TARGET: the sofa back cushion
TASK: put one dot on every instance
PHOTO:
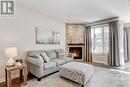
(45, 57)
(34, 54)
(51, 54)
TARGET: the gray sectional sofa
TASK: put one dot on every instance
(39, 66)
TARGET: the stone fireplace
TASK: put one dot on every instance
(75, 41)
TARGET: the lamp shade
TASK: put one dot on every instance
(11, 52)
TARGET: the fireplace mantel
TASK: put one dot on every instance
(76, 44)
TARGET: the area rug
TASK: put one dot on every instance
(102, 77)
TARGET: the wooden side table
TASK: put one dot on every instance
(23, 71)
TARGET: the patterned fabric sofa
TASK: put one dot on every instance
(43, 62)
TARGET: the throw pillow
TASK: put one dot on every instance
(45, 57)
(40, 57)
(51, 54)
(61, 54)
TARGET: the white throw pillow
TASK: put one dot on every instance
(45, 57)
(61, 54)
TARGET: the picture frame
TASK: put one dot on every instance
(47, 36)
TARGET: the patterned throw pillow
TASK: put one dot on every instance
(45, 57)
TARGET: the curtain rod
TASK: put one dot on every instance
(75, 24)
(103, 21)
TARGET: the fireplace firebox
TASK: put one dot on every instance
(76, 52)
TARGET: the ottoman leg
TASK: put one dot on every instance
(82, 85)
(38, 79)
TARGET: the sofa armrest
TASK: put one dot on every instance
(35, 61)
(35, 66)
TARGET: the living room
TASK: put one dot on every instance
(91, 36)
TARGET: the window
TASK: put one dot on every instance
(100, 39)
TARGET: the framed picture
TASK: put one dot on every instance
(47, 37)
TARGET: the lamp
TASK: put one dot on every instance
(11, 52)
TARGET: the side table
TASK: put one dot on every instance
(23, 74)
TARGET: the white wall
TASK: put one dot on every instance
(20, 32)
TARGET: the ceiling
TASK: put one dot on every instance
(80, 11)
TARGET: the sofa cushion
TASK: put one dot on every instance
(49, 65)
(45, 57)
(51, 54)
(58, 61)
(68, 59)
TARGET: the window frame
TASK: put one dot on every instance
(102, 38)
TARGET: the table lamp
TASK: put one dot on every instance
(10, 52)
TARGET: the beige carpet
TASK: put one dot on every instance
(102, 77)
